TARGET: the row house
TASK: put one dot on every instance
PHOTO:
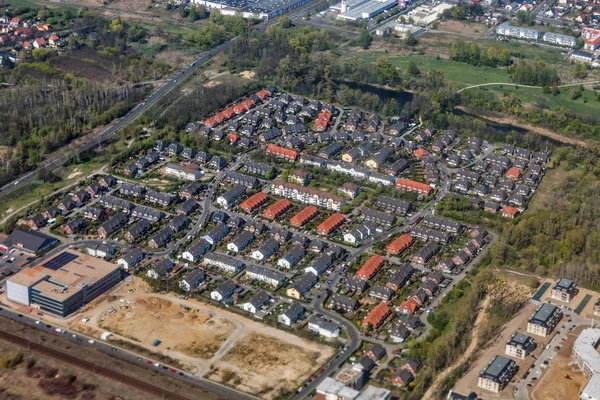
(266, 275)
(393, 205)
(147, 213)
(308, 195)
(258, 168)
(137, 231)
(223, 262)
(161, 239)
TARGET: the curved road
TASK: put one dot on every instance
(523, 86)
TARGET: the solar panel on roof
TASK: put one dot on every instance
(60, 260)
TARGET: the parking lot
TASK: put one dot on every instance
(11, 261)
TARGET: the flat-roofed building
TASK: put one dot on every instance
(497, 374)
(544, 320)
(564, 290)
(519, 346)
(64, 283)
(585, 351)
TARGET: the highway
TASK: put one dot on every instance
(142, 107)
(130, 116)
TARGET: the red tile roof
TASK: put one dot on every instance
(233, 137)
(330, 224)
(377, 315)
(370, 267)
(420, 153)
(254, 202)
(262, 94)
(411, 186)
(410, 305)
(513, 173)
(277, 209)
(282, 152)
(399, 244)
(304, 216)
(510, 211)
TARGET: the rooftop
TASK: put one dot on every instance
(66, 274)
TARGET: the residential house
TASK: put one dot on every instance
(302, 285)
(161, 238)
(196, 250)
(223, 262)
(267, 249)
(130, 259)
(160, 269)
(191, 280)
(291, 315)
(224, 291)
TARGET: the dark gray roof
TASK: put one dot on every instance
(32, 241)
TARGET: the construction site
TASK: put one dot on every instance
(208, 341)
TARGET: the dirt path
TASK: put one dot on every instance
(468, 353)
(539, 130)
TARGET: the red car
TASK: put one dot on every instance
(148, 362)
(172, 370)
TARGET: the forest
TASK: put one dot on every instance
(51, 99)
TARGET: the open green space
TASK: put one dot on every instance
(531, 51)
(459, 73)
(587, 104)
(71, 174)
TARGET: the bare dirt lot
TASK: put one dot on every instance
(471, 29)
(194, 333)
(221, 345)
(267, 366)
(561, 381)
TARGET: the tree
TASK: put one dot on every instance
(285, 22)
(505, 57)
(411, 40)
(524, 18)
(580, 71)
(412, 69)
(365, 39)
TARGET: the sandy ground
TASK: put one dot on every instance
(554, 384)
(498, 118)
(74, 174)
(248, 74)
(468, 382)
(145, 319)
(472, 29)
(265, 360)
(267, 365)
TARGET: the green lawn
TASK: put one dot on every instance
(531, 51)
(586, 104)
(461, 74)
(71, 174)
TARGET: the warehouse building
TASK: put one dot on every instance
(64, 283)
(366, 10)
(260, 9)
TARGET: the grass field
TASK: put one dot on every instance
(460, 73)
(586, 104)
(443, 41)
(70, 174)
